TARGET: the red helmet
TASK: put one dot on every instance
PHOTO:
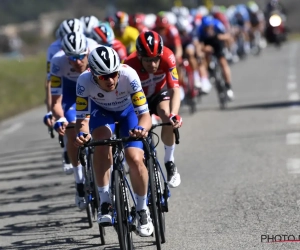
(161, 21)
(110, 20)
(136, 19)
(149, 44)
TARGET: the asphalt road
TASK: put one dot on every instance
(239, 168)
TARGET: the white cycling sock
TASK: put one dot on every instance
(104, 194)
(141, 202)
(169, 153)
(79, 178)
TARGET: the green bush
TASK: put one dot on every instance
(22, 84)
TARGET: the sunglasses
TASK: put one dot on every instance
(106, 77)
(151, 59)
(77, 57)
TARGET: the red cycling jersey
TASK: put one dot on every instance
(120, 49)
(170, 36)
(223, 19)
(164, 78)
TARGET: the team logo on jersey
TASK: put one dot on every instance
(138, 99)
(55, 81)
(174, 73)
(81, 103)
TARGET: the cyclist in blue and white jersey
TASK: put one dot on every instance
(66, 66)
(67, 26)
(107, 93)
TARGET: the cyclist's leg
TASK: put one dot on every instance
(102, 126)
(138, 172)
(70, 114)
(218, 51)
(161, 106)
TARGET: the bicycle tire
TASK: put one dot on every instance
(89, 205)
(89, 214)
(153, 207)
(124, 235)
(160, 212)
(96, 199)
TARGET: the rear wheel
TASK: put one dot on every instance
(95, 197)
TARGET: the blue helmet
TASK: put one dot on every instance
(103, 34)
(208, 21)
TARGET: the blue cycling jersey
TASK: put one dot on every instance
(219, 28)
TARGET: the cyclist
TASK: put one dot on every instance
(156, 67)
(212, 34)
(107, 93)
(67, 26)
(88, 24)
(66, 66)
(189, 45)
(137, 21)
(125, 33)
(103, 34)
(169, 34)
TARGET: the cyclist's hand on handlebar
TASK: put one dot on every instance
(82, 138)
(176, 120)
(60, 125)
(139, 132)
(48, 119)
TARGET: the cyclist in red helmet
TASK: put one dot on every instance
(156, 67)
(137, 21)
(170, 35)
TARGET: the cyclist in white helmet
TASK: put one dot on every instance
(67, 26)
(112, 92)
(88, 24)
(66, 66)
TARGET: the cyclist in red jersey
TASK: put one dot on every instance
(170, 36)
(137, 21)
(104, 35)
(156, 67)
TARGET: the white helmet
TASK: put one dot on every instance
(103, 60)
(89, 23)
(70, 25)
(183, 24)
(74, 43)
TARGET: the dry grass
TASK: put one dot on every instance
(21, 84)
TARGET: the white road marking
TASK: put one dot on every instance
(294, 119)
(294, 96)
(293, 139)
(14, 127)
(293, 165)
(292, 86)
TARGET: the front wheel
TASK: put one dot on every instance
(153, 205)
(124, 234)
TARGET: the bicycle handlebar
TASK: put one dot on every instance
(50, 132)
(175, 130)
(111, 142)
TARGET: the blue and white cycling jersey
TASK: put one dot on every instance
(219, 28)
(63, 79)
(123, 105)
(56, 47)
